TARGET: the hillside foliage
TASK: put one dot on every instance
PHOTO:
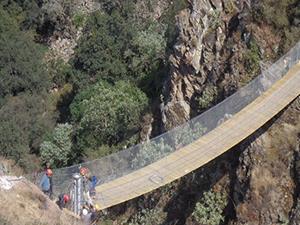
(62, 112)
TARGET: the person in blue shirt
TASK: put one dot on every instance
(93, 184)
(46, 182)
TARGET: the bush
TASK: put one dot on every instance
(79, 19)
(273, 12)
(116, 46)
(148, 217)
(207, 98)
(57, 149)
(209, 209)
(21, 66)
(251, 62)
(169, 19)
(24, 120)
(107, 114)
(26, 13)
(99, 52)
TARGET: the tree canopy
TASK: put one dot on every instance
(21, 66)
(107, 114)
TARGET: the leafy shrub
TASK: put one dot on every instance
(21, 66)
(24, 120)
(273, 12)
(149, 42)
(150, 46)
(26, 13)
(58, 148)
(60, 72)
(207, 98)
(229, 7)
(215, 19)
(209, 209)
(99, 52)
(148, 217)
(116, 47)
(79, 19)
(251, 62)
(169, 19)
(107, 114)
(291, 38)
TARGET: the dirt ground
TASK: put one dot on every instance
(25, 204)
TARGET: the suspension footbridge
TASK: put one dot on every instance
(207, 147)
(145, 167)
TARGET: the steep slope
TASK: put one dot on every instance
(23, 203)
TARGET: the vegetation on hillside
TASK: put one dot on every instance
(66, 112)
(61, 112)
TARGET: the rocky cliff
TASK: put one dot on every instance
(216, 42)
(221, 46)
(266, 189)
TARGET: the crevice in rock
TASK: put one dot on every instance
(295, 173)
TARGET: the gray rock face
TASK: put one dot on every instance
(196, 60)
(187, 75)
(295, 215)
(65, 38)
(266, 186)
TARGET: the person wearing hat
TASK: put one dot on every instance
(63, 200)
(46, 182)
(86, 214)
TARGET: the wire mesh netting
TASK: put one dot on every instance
(126, 161)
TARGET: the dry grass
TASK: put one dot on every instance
(25, 204)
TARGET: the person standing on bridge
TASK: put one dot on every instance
(92, 186)
(87, 185)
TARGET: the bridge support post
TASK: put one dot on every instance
(77, 201)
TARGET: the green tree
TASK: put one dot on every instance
(107, 114)
(57, 150)
(149, 47)
(99, 53)
(24, 120)
(21, 66)
(208, 97)
(148, 217)
(116, 46)
(26, 12)
(209, 209)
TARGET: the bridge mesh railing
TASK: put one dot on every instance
(126, 161)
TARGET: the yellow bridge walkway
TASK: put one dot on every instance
(206, 148)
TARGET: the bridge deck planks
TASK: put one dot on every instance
(206, 148)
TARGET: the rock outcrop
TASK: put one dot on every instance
(211, 51)
(64, 39)
(186, 73)
(198, 58)
(266, 189)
